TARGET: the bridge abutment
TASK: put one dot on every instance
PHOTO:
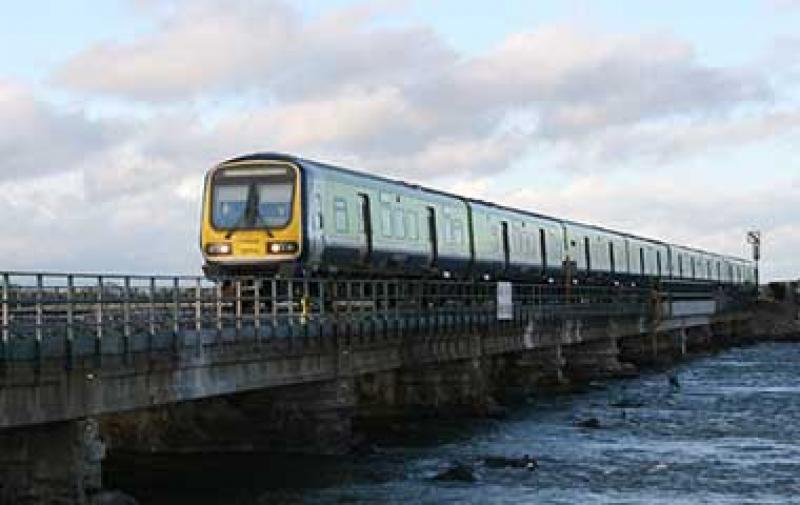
(56, 463)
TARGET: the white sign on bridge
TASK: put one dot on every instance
(505, 302)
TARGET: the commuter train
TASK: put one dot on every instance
(274, 213)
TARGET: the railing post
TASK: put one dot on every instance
(257, 309)
(290, 299)
(69, 344)
(274, 303)
(238, 307)
(290, 314)
(39, 317)
(176, 314)
(6, 321)
(305, 303)
(218, 303)
(321, 285)
(198, 309)
(98, 338)
(151, 315)
(126, 318)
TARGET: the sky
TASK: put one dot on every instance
(674, 120)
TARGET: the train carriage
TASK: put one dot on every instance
(273, 213)
(510, 243)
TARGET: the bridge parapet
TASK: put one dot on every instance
(71, 317)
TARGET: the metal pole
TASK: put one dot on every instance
(126, 317)
(257, 308)
(151, 316)
(321, 285)
(176, 313)
(39, 316)
(98, 340)
(290, 299)
(198, 311)
(6, 319)
(238, 307)
(218, 302)
(69, 344)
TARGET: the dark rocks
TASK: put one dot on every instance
(457, 473)
(497, 412)
(627, 403)
(589, 423)
(526, 462)
(112, 498)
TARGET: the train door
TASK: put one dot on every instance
(642, 264)
(658, 264)
(543, 248)
(612, 264)
(365, 227)
(506, 245)
(434, 256)
(587, 251)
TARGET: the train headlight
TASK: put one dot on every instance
(281, 247)
(219, 249)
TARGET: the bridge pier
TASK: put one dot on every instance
(56, 463)
(312, 418)
(595, 359)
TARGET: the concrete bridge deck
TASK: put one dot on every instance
(80, 345)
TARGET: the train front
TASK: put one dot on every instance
(251, 217)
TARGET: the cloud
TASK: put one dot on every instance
(39, 139)
(121, 190)
(51, 225)
(783, 4)
(203, 46)
(667, 141)
(400, 98)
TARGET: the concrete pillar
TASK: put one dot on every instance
(313, 418)
(595, 359)
(58, 463)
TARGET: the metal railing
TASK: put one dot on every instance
(47, 316)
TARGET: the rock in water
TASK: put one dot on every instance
(113, 498)
(627, 403)
(525, 462)
(457, 473)
(590, 422)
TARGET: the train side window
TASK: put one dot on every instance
(412, 227)
(318, 204)
(399, 224)
(386, 220)
(340, 214)
(458, 232)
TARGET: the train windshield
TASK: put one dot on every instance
(251, 198)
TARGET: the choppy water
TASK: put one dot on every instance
(729, 435)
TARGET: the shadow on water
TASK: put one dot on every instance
(723, 430)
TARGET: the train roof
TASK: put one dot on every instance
(267, 155)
